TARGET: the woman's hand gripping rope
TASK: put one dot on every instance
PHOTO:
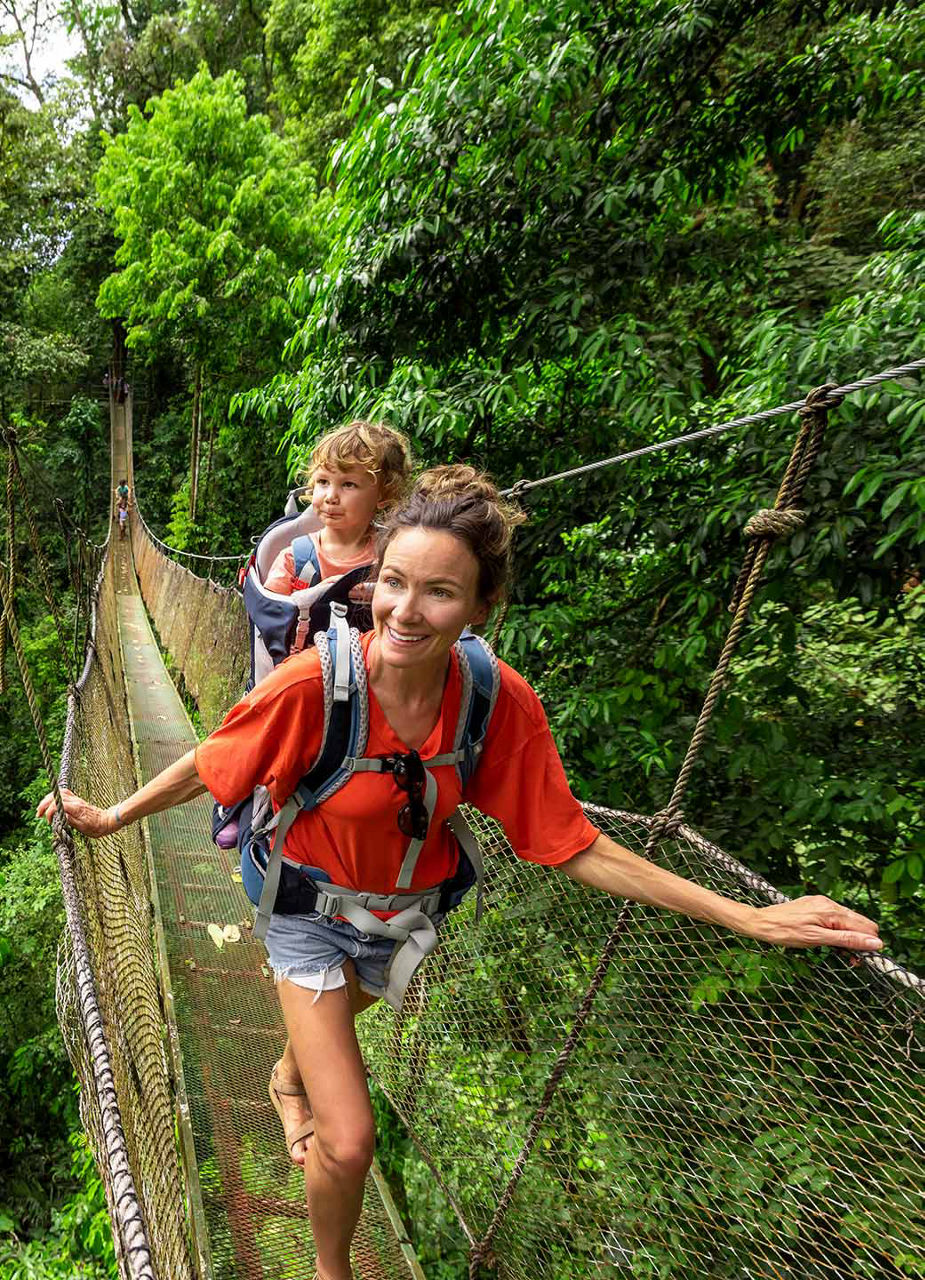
(174, 785)
(83, 817)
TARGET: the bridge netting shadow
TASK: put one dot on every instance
(727, 1110)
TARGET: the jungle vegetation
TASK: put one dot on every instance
(530, 235)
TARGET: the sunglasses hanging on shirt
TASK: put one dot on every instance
(408, 772)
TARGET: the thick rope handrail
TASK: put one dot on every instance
(875, 961)
(836, 394)
(190, 555)
(125, 1201)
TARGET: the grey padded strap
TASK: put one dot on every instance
(342, 662)
(406, 958)
(411, 929)
(468, 840)
(410, 862)
(331, 899)
(281, 821)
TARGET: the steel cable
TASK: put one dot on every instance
(836, 395)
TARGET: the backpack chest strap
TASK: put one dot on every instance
(375, 764)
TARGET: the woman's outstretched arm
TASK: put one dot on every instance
(174, 785)
(806, 922)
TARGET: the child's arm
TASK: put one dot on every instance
(281, 577)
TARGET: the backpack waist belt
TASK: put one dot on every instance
(413, 928)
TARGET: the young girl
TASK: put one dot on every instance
(354, 472)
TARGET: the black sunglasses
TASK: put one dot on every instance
(408, 772)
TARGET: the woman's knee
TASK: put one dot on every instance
(345, 1150)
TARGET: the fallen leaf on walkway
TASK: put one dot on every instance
(215, 933)
(231, 933)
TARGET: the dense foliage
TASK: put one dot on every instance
(531, 235)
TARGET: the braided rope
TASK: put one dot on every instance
(813, 420)
(835, 396)
(126, 1206)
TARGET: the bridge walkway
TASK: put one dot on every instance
(246, 1197)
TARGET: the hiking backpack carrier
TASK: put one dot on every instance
(276, 883)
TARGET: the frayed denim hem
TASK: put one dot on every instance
(329, 978)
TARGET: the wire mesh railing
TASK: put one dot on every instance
(137, 1155)
(730, 1111)
(202, 626)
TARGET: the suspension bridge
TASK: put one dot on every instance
(591, 1089)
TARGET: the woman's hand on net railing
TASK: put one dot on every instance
(85, 818)
(814, 921)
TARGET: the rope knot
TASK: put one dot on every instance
(519, 487)
(666, 824)
(481, 1255)
(774, 523)
(821, 398)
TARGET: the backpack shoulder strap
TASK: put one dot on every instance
(346, 709)
(305, 553)
(481, 680)
(344, 736)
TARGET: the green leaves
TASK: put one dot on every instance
(213, 213)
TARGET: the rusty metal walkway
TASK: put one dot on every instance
(246, 1197)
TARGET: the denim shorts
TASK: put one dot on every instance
(310, 950)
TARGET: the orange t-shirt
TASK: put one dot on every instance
(273, 737)
(283, 581)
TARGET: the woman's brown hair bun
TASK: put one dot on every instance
(459, 500)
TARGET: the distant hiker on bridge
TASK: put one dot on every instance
(123, 494)
(380, 849)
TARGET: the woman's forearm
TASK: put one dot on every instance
(806, 922)
(174, 785)
(607, 865)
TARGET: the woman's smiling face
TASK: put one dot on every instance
(426, 593)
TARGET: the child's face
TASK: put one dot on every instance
(345, 501)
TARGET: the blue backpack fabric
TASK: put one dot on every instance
(278, 623)
(275, 622)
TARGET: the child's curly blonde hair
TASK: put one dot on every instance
(378, 449)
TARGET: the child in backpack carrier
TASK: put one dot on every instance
(354, 472)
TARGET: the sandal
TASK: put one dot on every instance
(278, 1090)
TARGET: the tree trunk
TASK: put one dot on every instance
(194, 444)
(210, 447)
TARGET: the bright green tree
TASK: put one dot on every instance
(214, 216)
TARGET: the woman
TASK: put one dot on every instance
(443, 563)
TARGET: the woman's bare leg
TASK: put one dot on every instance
(323, 1043)
(298, 1108)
